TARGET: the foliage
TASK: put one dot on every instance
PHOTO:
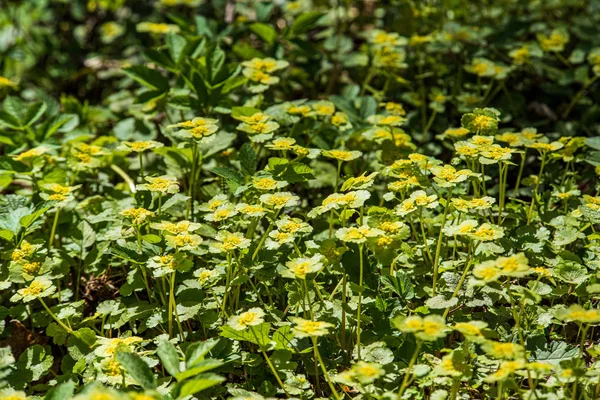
(216, 199)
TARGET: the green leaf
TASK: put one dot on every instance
(28, 220)
(554, 352)
(15, 107)
(258, 335)
(62, 123)
(148, 77)
(233, 178)
(400, 284)
(34, 112)
(198, 368)
(9, 120)
(202, 382)
(440, 302)
(304, 22)
(264, 31)
(9, 164)
(245, 111)
(34, 363)
(176, 45)
(571, 272)
(138, 369)
(61, 392)
(214, 61)
(248, 159)
(168, 357)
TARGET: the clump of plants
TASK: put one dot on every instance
(257, 200)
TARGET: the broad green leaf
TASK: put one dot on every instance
(148, 77)
(198, 368)
(258, 335)
(61, 392)
(264, 31)
(304, 22)
(169, 357)
(138, 369)
(176, 45)
(33, 113)
(248, 159)
(202, 382)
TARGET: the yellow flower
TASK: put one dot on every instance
(342, 155)
(268, 65)
(361, 372)
(25, 250)
(516, 265)
(5, 82)
(520, 56)
(184, 241)
(555, 42)
(252, 210)
(229, 241)
(577, 313)
(546, 147)
(177, 227)
(252, 317)
(432, 327)
(222, 213)
(140, 146)
(29, 154)
(162, 184)
(323, 108)
(488, 232)
(505, 351)
(31, 268)
(305, 328)
(357, 234)
(160, 29)
(39, 287)
(267, 183)
(282, 144)
(472, 330)
(487, 271)
(454, 133)
(137, 215)
(447, 175)
(280, 200)
(505, 370)
(395, 109)
(303, 110)
(302, 266)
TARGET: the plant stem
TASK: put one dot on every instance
(438, 247)
(141, 158)
(58, 321)
(53, 230)
(360, 290)
(537, 185)
(409, 369)
(271, 366)
(318, 354)
(520, 175)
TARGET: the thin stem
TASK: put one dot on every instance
(318, 354)
(537, 185)
(360, 290)
(409, 369)
(438, 247)
(53, 230)
(141, 158)
(521, 167)
(58, 321)
(271, 366)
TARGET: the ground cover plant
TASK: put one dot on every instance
(299, 199)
